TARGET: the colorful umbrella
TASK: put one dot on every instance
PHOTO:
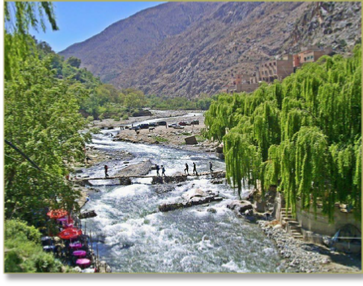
(80, 253)
(70, 233)
(83, 262)
(57, 213)
(75, 245)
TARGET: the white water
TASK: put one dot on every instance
(134, 237)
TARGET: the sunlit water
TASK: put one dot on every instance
(133, 236)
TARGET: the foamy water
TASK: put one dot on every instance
(133, 236)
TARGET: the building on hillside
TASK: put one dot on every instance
(276, 69)
(312, 54)
(242, 83)
(249, 84)
(234, 81)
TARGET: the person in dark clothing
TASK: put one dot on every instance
(162, 170)
(157, 170)
(106, 171)
(186, 170)
(195, 169)
(210, 166)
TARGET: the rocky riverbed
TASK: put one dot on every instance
(162, 135)
(297, 255)
(303, 257)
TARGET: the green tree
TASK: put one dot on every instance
(302, 134)
(19, 17)
(74, 62)
(42, 120)
(134, 98)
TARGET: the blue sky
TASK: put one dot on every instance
(78, 21)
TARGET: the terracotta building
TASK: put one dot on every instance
(276, 69)
(310, 55)
(242, 83)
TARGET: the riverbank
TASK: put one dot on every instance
(298, 256)
(303, 257)
(163, 135)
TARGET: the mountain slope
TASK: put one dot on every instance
(202, 50)
(126, 41)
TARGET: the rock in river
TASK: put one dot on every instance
(240, 206)
(191, 198)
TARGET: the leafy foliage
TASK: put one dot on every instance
(19, 16)
(23, 251)
(302, 134)
(42, 119)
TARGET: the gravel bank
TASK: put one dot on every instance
(304, 257)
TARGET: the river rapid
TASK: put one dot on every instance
(134, 237)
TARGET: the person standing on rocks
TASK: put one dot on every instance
(157, 170)
(186, 170)
(210, 167)
(106, 171)
(162, 170)
(195, 169)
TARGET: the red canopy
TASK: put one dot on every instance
(57, 213)
(70, 233)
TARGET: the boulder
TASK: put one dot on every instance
(240, 206)
(259, 206)
(219, 175)
(191, 198)
(194, 193)
(219, 149)
(139, 169)
(191, 140)
(88, 214)
(125, 181)
(157, 180)
(168, 179)
(216, 181)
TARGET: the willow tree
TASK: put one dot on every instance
(19, 17)
(302, 134)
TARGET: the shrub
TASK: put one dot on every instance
(23, 251)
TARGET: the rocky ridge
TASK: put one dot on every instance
(185, 49)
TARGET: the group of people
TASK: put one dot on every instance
(157, 167)
(186, 170)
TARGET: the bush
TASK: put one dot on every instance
(90, 119)
(95, 130)
(116, 118)
(125, 117)
(23, 251)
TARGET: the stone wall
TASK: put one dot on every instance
(320, 223)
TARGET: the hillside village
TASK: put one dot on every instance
(276, 69)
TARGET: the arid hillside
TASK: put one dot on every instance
(185, 49)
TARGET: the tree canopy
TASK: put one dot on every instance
(302, 134)
(42, 121)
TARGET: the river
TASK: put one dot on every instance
(133, 236)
